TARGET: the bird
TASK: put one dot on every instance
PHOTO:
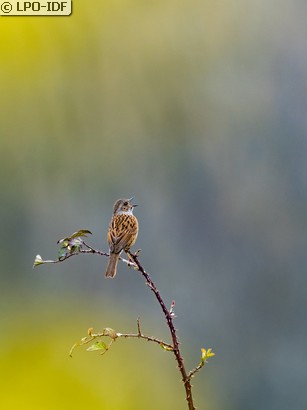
(122, 233)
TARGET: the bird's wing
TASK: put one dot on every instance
(122, 232)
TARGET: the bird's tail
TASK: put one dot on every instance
(112, 265)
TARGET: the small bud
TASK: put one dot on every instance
(38, 261)
(90, 331)
(108, 331)
(167, 348)
(205, 354)
(171, 311)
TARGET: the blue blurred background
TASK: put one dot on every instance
(199, 110)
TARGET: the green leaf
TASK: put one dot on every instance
(75, 245)
(81, 232)
(97, 346)
(210, 353)
(78, 234)
(72, 244)
(63, 252)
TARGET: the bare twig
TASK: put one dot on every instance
(192, 372)
(169, 320)
(140, 335)
(92, 250)
(139, 326)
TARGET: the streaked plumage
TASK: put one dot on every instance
(122, 234)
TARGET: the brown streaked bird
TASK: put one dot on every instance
(122, 234)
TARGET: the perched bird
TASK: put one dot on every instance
(122, 234)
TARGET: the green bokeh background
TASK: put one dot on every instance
(199, 110)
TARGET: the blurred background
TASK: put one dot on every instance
(198, 109)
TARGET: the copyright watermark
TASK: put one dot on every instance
(35, 8)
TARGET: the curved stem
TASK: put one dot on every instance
(169, 319)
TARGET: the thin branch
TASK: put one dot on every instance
(39, 261)
(169, 320)
(90, 250)
(140, 335)
(139, 326)
(192, 372)
(115, 335)
(166, 346)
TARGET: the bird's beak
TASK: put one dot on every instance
(129, 200)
